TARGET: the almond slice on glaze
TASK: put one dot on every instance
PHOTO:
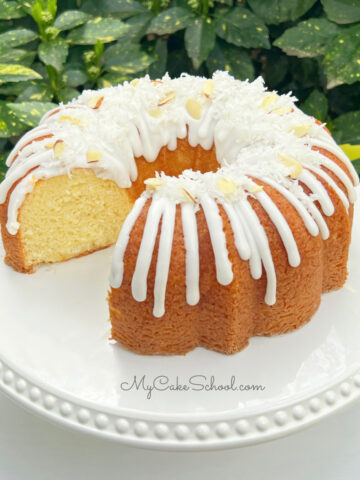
(93, 156)
(59, 146)
(68, 118)
(134, 82)
(95, 102)
(300, 130)
(226, 186)
(269, 100)
(208, 88)
(155, 112)
(291, 162)
(281, 110)
(168, 97)
(194, 108)
(255, 188)
(188, 195)
(153, 183)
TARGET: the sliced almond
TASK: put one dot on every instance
(134, 82)
(300, 130)
(297, 168)
(156, 82)
(68, 118)
(168, 97)
(93, 156)
(59, 146)
(194, 108)
(208, 88)
(188, 195)
(155, 112)
(153, 183)
(281, 110)
(269, 100)
(95, 102)
(50, 145)
(226, 186)
(255, 188)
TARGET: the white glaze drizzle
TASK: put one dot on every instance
(139, 280)
(117, 270)
(191, 242)
(224, 272)
(164, 257)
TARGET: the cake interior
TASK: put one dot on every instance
(69, 216)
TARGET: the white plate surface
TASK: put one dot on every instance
(56, 360)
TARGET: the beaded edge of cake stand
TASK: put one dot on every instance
(152, 431)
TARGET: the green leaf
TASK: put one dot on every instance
(309, 38)
(278, 11)
(122, 8)
(200, 40)
(23, 57)
(13, 89)
(14, 38)
(110, 79)
(10, 9)
(126, 60)
(39, 92)
(241, 27)
(26, 5)
(316, 105)
(74, 77)
(52, 7)
(104, 29)
(16, 73)
(68, 94)
(159, 53)
(10, 125)
(3, 167)
(98, 49)
(30, 113)
(171, 20)
(342, 61)
(71, 19)
(234, 60)
(138, 26)
(342, 11)
(54, 52)
(346, 128)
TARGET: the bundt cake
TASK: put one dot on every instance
(244, 221)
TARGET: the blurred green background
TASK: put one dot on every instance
(51, 50)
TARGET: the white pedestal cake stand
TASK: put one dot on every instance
(56, 361)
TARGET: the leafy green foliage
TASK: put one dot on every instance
(16, 73)
(342, 61)
(316, 105)
(278, 11)
(242, 28)
(309, 38)
(54, 52)
(170, 21)
(200, 40)
(50, 51)
(342, 11)
(104, 29)
(346, 128)
(30, 113)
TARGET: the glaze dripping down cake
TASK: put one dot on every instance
(234, 207)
